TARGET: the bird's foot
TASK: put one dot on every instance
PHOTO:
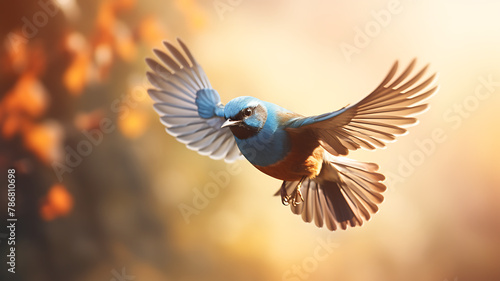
(285, 198)
(295, 198)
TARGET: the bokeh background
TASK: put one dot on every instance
(103, 193)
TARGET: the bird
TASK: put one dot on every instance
(307, 153)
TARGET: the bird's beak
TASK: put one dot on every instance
(230, 123)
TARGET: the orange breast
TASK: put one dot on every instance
(304, 159)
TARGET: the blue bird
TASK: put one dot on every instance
(306, 153)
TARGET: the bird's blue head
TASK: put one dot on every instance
(245, 116)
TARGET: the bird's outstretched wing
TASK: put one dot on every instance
(377, 118)
(188, 106)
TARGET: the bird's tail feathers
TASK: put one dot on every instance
(346, 192)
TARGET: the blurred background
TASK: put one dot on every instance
(103, 193)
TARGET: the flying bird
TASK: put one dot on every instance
(305, 152)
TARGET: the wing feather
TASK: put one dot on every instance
(177, 80)
(378, 118)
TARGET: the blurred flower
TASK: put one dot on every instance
(133, 124)
(58, 202)
(70, 8)
(17, 56)
(88, 121)
(124, 42)
(28, 99)
(76, 75)
(151, 31)
(28, 96)
(45, 141)
(111, 38)
(105, 16)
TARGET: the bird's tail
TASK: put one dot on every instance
(346, 192)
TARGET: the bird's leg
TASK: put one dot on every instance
(285, 199)
(296, 195)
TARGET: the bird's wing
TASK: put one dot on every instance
(188, 106)
(377, 118)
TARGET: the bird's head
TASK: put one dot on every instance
(245, 116)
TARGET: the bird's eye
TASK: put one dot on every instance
(247, 112)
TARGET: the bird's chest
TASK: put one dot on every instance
(285, 155)
(265, 148)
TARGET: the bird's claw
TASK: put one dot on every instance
(295, 198)
(285, 199)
